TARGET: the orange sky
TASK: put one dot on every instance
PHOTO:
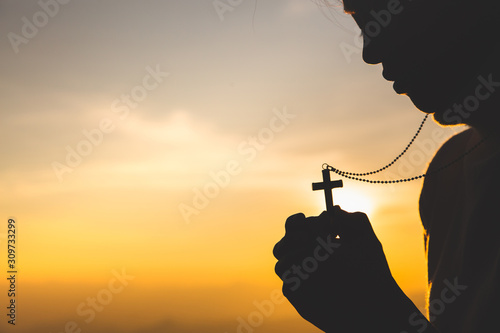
(117, 115)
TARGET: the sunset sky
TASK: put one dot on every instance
(166, 142)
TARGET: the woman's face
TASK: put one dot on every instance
(433, 50)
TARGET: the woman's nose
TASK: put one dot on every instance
(372, 50)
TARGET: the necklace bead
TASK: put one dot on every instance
(356, 176)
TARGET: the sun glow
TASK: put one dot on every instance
(353, 200)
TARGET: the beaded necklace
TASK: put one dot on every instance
(356, 176)
(327, 185)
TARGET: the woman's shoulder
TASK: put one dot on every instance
(439, 184)
(452, 149)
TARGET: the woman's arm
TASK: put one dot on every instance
(343, 284)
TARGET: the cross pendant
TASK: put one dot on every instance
(327, 185)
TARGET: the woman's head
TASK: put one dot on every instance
(435, 51)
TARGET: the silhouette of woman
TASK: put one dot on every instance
(444, 55)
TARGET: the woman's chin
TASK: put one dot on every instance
(436, 106)
(445, 120)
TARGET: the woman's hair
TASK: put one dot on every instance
(330, 9)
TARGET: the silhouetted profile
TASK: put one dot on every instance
(445, 55)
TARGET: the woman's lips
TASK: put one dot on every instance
(401, 79)
(399, 87)
(406, 77)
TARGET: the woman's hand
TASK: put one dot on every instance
(339, 285)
